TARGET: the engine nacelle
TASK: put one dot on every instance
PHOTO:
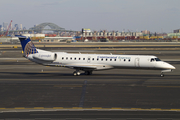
(45, 56)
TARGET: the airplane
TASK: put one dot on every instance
(91, 62)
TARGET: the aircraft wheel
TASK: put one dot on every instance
(162, 75)
(76, 73)
(88, 72)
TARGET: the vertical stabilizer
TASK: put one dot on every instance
(27, 45)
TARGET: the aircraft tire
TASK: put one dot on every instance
(88, 72)
(162, 75)
(76, 73)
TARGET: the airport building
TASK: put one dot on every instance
(177, 31)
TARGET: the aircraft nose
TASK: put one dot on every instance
(170, 66)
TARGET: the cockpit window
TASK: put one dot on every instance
(152, 59)
(157, 59)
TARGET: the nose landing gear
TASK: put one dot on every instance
(162, 75)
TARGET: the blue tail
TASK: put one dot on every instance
(27, 45)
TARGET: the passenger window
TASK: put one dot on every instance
(110, 59)
(83, 58)
(102, 59)
(114, 59)
(97, 59)
(71, 58)
(66, 58)
(129, 60)
(79, 58)
(89, 59)
(124, 60)
(106, 59)
(74, 58)
(93, 59)
(62, 58)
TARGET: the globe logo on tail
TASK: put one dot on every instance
(30, 49)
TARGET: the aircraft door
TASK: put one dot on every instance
(137, 62)
(89, 59)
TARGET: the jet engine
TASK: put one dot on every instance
(45, 56)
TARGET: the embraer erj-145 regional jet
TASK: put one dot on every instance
(91, 62)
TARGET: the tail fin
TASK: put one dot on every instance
(27, 45)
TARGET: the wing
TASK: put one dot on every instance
(75, 66)
(84, 67)
(81, 67)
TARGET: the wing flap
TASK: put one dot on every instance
(81, 66)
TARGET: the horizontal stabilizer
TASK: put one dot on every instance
(21, 37)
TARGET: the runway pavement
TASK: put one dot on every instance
(28, 86)
(111, 94)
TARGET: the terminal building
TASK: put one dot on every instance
(177, 31)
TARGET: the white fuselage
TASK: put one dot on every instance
(91, 62)
(100, 61)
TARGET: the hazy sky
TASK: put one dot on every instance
(135, 15)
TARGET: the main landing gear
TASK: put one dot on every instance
(77, 73)
(88, 72)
